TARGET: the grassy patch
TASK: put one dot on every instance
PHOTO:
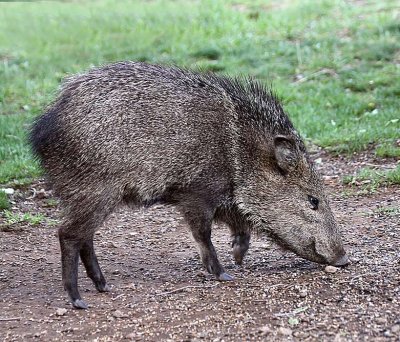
(4, 203)
(333, 62)
(370, 179)
(50, 202)
(388, 150)
(12, 219)
(387, 211)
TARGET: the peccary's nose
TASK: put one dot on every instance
(342, 261)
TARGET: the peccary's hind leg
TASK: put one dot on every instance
(70, 247)
(200, 223)
(92, 267)
(76, 238)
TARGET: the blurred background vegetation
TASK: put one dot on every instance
(335, 64)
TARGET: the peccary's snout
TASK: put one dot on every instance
(342, 261)
(331, 251)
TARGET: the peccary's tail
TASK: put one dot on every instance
(44, 133)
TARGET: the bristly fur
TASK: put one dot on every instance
(255, 101)
(216, 147)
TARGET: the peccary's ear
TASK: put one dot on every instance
(286, 153)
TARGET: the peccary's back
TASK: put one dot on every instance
(134, 124)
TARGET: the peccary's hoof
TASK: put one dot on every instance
(238, 256)
(79, 304)
(239, 262)
(240, 245)
(225, 277)
(103, 288)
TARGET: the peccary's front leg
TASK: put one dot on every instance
(240, 231)
(200, 225)
(240, 246)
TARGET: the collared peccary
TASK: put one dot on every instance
(217, 148)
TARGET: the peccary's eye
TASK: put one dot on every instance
(314, 202)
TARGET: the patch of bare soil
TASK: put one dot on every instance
(160, 291)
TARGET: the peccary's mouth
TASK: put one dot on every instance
(280, 242)
(318, 257)
(310, 250)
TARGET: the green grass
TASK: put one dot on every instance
(387, 211)
(13, 218)
(370, 179)
(4, 203)
(10, 218)
(334, 63)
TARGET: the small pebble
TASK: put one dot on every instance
(61, 311)
(387, 333)
(381, 320)
(265, 330)
(303, 293)
(338, 338)
(330, 269)
(41, 194)
(285, 331)
(119, 314)
(8, 191)
(130, 336)
(395, 329)
(111, 244)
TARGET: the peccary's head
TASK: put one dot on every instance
(279, 189)
(285, 197)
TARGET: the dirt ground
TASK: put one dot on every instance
(160, 291)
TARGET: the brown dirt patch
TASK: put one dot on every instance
(160, 292)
